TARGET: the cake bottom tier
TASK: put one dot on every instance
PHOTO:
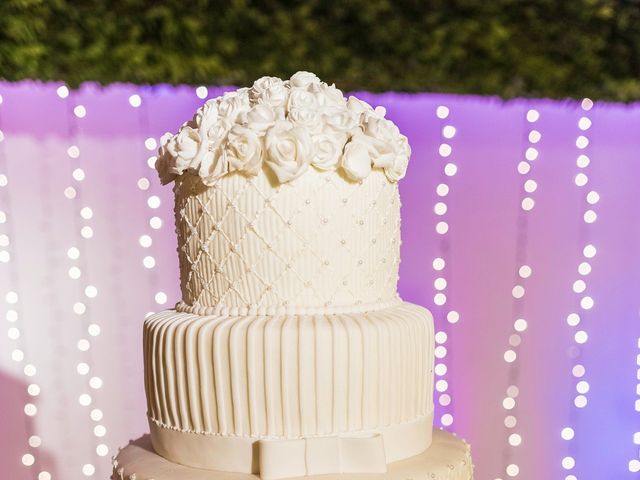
(448, 458)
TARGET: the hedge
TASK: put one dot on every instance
(551, 48)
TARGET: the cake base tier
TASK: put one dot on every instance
(448, 458)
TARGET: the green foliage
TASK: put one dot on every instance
(552, 48)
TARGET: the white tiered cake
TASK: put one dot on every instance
(291, 353)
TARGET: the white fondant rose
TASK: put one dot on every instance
(164, 162)
(305, 117)
(244, 150)
(382, 129)
(330, 97)
(356, 158)
(275, 96)
(327, 150)
(362, 110)
(206, 116)
(185, 149)
(259, 119)
(289, 150)
(262, 85)
(340, 119)
(397, 169)
(214, 163)
(233, 104)
(289, 125)
(303, 79)
(300, 98)
(384, 137)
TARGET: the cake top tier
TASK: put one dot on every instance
(286, 126)
(286, 201)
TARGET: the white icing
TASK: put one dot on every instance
(286, 126)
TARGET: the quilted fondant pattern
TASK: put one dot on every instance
(318, 241)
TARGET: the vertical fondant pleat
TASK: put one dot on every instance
(194, 375)
(239, 387)
(290, 387)
(273, 375)
(224, 401)
(182, 400)
(355, 366)
(340, 373)
(255, 376)
(164, 387)
(307, 376)
(324, 367)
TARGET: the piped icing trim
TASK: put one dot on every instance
(284, 126)
(255, 310)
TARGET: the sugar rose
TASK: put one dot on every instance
(275, 96)
(340, 120)
(303, 79)
(261, 85)
(259, 119)
(286, 125)
(243, 150)
(165, 161)
(185, 149)
(397, 168)
(232, 104)
(329, 96)
(356, 158)
(327, 151)
(289, 150)
(206, 116)
(305, 117)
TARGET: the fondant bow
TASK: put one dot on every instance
(320, 455)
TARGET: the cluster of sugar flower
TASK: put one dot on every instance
(286, 126)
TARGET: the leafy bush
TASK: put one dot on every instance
(505, 47)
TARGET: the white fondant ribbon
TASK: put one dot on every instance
(321, 455)
(274, 458)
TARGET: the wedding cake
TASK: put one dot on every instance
(290, 353)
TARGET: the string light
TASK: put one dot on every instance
(523, 273)
(202, 92)
(634, 464)
(87, 291)
(579, 286)
(441, 284)
(13, 316)
(153, 202)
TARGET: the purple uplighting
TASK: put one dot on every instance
(520, 229)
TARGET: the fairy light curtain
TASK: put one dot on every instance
(521, 232)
